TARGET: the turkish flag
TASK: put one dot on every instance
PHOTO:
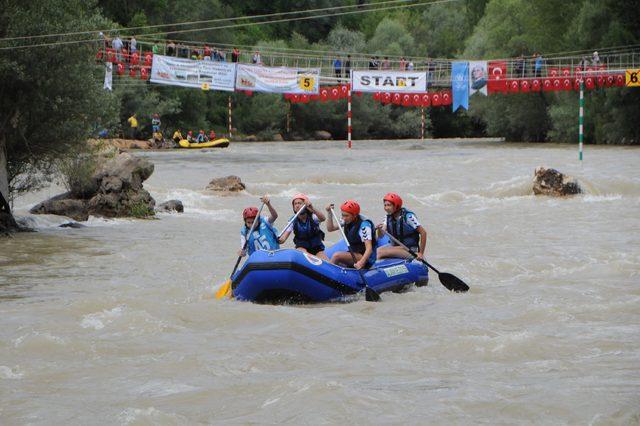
(553, 72)
(566, 72)
(536, 85)
(514, 86)
(396, 98)
(446, 98)
(324, 95)
(426, 100)
(497, 74)
(376, 96)
(566, 84)
(144, 73)
(436, 99)
(334, 93)
(406, 100)
(295, 99)
(557, 84)
(601, 80)
(314, 97)
(416, 100)
(610, 80)
(547, 85)
(620, 82)
(590, 83)
(344, 90)
(304, 99)
(525, 86)
(386, 98)
(120, 69)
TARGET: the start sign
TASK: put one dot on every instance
(632, 78)
(389, 81)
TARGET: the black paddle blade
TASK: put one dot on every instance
(371, 295)
(452, 282)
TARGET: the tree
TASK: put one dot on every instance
(391, 38)
(52, 97)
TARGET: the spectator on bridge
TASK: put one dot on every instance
(538, 65)
(133, 45)
(386, 65)
(595, 59)
(207, 52)
(347, 67)
(372, 63)
(256, 58)
(410, 66)
(171, 48)
(235, 56)
(403, 64)
(117, 46)
(337, 68)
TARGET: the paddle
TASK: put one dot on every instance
(370, 294)
(450, 281)
(291, 221)
(225, 289)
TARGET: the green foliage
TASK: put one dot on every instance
(141, 210)
(51, 99)
(391, 38)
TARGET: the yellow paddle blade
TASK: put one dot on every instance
(224, 289)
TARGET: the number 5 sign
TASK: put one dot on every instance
(306, 83)
(632, 78)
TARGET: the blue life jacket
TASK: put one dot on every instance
(401, 230)
(307, 234)
(352, 231)
(264, 237)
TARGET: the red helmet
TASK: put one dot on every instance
(249, 212)
(300, 196)
(350, 206)
(394, 199)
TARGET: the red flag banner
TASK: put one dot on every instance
(536, 85)
(436, 99)
(497, 75)
(426, 100)
(446, 98)
(525, 86)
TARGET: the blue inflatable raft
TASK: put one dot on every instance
(292, 276)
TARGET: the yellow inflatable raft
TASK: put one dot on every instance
(217, 143)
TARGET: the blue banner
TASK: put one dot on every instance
(460, 84)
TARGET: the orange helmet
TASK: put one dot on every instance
(300, 196)
(394, 199)
(249, 212)
(350, 206)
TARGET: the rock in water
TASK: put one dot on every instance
(226, 184)
(117, 192)
(553, 183)
(171, 206)
(321, 135)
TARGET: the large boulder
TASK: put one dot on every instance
(170, 206)
(115, 191)
(226, 184)
(321, 135)
(553, 183)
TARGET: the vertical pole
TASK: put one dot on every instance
(422, 127)
(230, 117)
(349, 116)
(581, 120)
(288, 117)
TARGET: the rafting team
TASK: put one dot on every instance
(359, 231)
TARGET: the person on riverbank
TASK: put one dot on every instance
(133, 126)
(359, 231)
(307, 235)
(403, 225)
(265, 235)
(177, 136)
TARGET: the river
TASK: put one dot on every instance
(116, 323)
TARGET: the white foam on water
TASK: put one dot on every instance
(98, 320)
(10, 373)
